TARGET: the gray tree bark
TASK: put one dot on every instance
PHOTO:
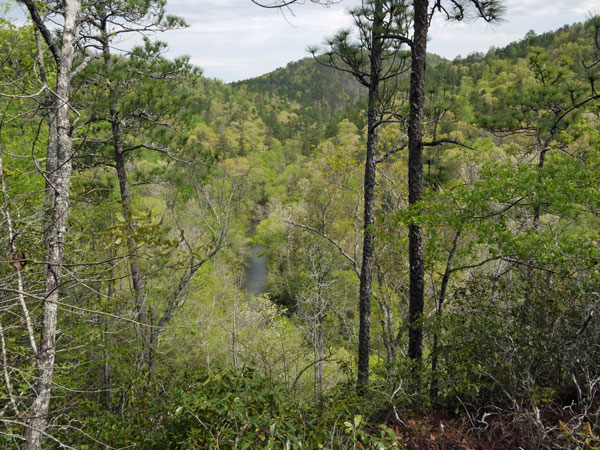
(59, 158)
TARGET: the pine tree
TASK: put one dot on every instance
(376, 60)
(489, 10)
(143, 104)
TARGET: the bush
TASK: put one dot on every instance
(243, 410)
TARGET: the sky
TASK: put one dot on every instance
(233, 40)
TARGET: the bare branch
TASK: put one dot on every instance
(324, 236)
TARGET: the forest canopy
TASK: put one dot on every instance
(371, 248)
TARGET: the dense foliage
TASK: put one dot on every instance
(177, 177)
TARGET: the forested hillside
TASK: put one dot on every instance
(138, 196)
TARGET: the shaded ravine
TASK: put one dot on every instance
(256, 270)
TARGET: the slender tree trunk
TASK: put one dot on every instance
(134, 260)
(318, 358)
(415, 177)
(51, 169)
(124, 189)
(106, 396)
(38, 412)
(50, 107)
(387, 320)
(234, 334)
(439, 310)
(13, 249)
(141, 313)
(541, 161)
(366, 274)
(106, 372)
(9, 389)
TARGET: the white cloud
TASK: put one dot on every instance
(452, 39)
(235, 39)
(555, 8)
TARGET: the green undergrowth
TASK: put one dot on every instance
(229, 409)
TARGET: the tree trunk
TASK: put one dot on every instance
(141, 313)
(319, 354)
(387, 319)
(124, 189)
(415, 177)
(50, 108)
(439, 310)
(106, 397)
(234, 335)
(38, 413)
(13, 249)
(366, 274)
(541, 161)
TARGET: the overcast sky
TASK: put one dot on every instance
(235, 39)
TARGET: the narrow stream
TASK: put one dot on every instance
(256, 271)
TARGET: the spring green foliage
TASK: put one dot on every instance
(277, 161)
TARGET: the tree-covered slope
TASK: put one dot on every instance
(177, 177)
(309, 84)
(312, 85)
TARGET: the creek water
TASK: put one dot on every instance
(256, 270)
